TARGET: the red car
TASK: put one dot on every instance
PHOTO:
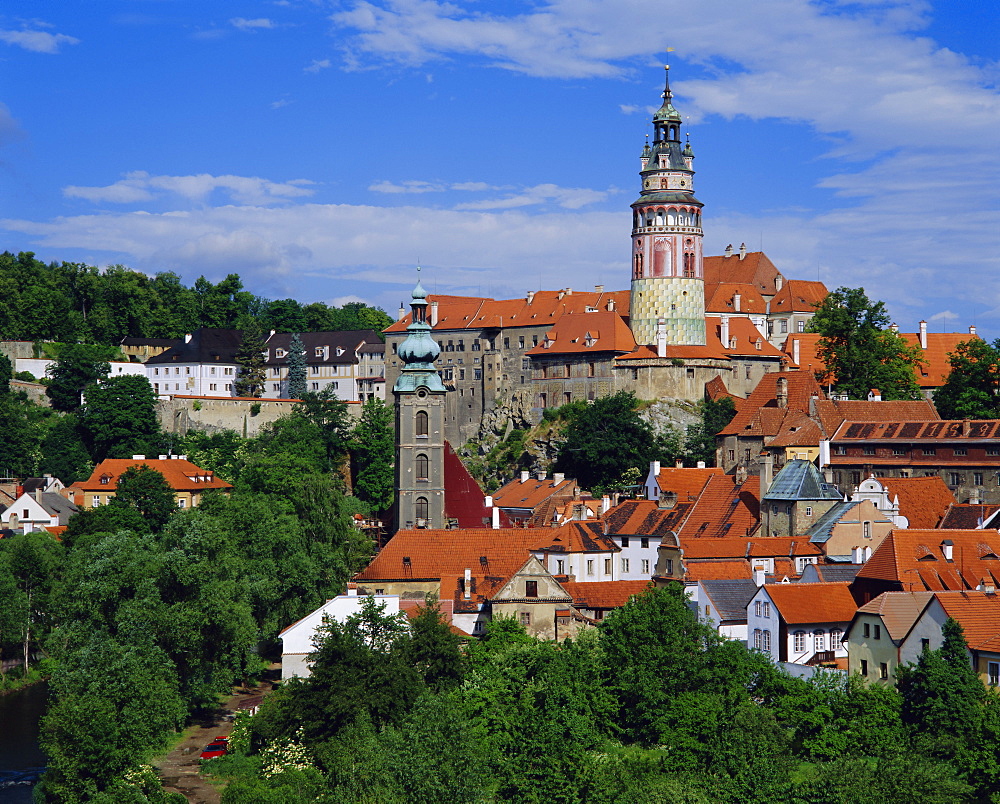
(217, 748)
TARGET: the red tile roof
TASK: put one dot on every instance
(588, 333)
(798, 296)
(531, 492)
(763, 547)
(603, 594)
(801, 603)
(966, 516)
(463, 497)
(979, 615)
(915, 559)
(925, 431)
(755, 268)
(715, 389)
(545, 307)
(922, 500)
(180, 475)
(573, 537)
(760, 414)
(724, 508)
(645, 518)
(686, 482)
(721, 298)
(716, 569)
(809, 359)
(832, 413)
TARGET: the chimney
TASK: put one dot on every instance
(541, 475)
(605, 504)
(759, 577)
(737, 301)
(495, 518)
(724, 331)
(766, 473)
(986, 585)
(654, 468)
(558, 477)
(402, 312)
(678, 464)
(743, 251)
(874, 395)
(972, 330)
(525, 474)
(468, 584)
(923, 334)
(948, 549)
(530, 297)
(894, 327)
(729, 250)
(187, 337)
(598, 288)
(611, 305)
(781, 396)
(352, 590)
(701, 464)
(779, 280)
(38, 495)
(661, 338)
(857, 555)
(796, 354)
(434, 313)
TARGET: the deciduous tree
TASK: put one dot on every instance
(120, 418)
(372, 450)
(972, 389)
(78, 367)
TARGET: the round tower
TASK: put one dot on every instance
(668, 278)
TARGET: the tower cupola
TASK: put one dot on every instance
(419, 351)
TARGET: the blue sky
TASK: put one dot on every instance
(320, 149)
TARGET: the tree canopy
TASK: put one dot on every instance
(972, 389)
(858, 349)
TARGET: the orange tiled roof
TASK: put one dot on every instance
(915, 559)
(742, 333)
(798, 296)
(715, 389)
(898, 610)
(685, 481)
(716, 569)
(574, 537)
(644, 518)
(832, 413)
(979, 615)
(922, 500)
(603, 594)
(801, 603)
(809, 359)
(724, 509)
(919, 431)
(588, 333)
(760, 414)
(721, 299)
(762, 547)
(545, 307)
(797, 430)
(180, 475)
(755, 269)
(531, 492)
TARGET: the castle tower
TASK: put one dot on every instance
(668, 278)
(420, 404)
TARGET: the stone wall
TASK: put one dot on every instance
(178, 414)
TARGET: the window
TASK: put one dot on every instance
(645, 566)
(275, 386)
(899, 450)
(624, 541)
(864, 667)
(866, 529)
(607, 566)
(421, 508)
(525, 618)
(819, 640)
(668, 566)
(878, 631)
(869, 450)
(767, 609)
(520, 342)
(757, 640)
(929, 451)
(732, 455)
(590, 369)
(960, 451)
(644, 541)
(541, 400)
(993, 673)
(423, 466)
(315, 386)
(421, 424)
(925, 644)
(977, 478)
(840, 449)
(590, 566)
(757, 608)
(624, 565)
(809, 510)
(993, 451)
(783, 325)
(211, 386)
(765, 642)
(181, 503)
(867, 630)
(836, 637)
(799, 641)
(531, 588)
(954, 479)
(477, 374)
(506, 343)
(801, 326)
(560, 567)
(314, 370)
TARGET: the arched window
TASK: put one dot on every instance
(659, 217)
(421, 423)
(423, 467)
(819, 640)
(672, 217)
(420, 508)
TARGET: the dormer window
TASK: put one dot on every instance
(279, 353)
(319, 351)
(340, 351)
(105, 479)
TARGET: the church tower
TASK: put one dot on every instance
(420, 404)
(668, 278)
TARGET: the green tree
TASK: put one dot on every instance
(373, 449)
(33, 562)
(6, 374)
(329, 415)
(972, 389)
(146, 491)
(250, 361)
(859, 351)
(64, 452)
(434, 648)
(604, 440)
(699, 444)
(296, 368)
(119, 418)
(78, 367)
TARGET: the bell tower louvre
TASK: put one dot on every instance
(668, 278)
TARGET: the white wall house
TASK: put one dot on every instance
(297, 639)
(800, 623)
(37, 510)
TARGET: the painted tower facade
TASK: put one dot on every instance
(668, 278)
(420, 406)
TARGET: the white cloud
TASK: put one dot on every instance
(565, 197)
(280, 104)
(252, 25)
(406, 187)
(140, 186)
(37, 41)
(316, 65)
(944, 315)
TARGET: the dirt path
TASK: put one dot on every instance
(180, 769)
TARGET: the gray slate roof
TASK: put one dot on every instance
(207, 345)
(823, 529)
(730, 598)
(801, 480)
